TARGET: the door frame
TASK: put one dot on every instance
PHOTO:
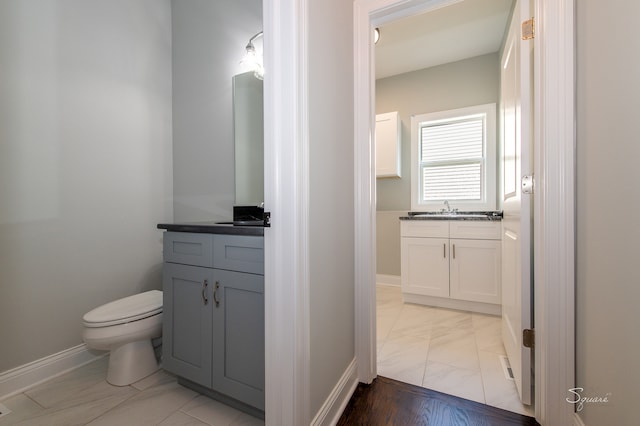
(554, 196)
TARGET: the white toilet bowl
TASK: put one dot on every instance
(125, 327)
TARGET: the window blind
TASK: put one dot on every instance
(451, 159)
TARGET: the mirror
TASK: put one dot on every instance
(248, 124)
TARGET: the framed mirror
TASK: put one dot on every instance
(248, 124)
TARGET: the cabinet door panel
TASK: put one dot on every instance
(238, 357)
(476, 270)
(425, 266)
(187, 327)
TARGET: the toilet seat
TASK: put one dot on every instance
(132, 308)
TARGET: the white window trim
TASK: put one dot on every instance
(488, 202)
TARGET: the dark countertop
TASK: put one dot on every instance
(213, 228)
(477, 216)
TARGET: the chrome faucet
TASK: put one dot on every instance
(446, 203)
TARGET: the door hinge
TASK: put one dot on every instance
(528, 184)
(529, 338)
(528, 29)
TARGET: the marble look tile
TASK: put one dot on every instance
(499, 391)
(148, 407)
(22, 407)
(455, 347)
(447, 318)
(483, 321)
(413, 322)
(403, 370)
(388, 296)
(211, 411)
(181, 419)
(385, 320)
(247, 420)
(160, 377)
(462, 350)
(83, 407)
(454, 381)
(59, 389)
(408, 347)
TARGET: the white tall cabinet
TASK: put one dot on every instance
(388, 144)
(452, 263)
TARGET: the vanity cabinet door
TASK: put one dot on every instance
(476, 270)
(425, 266)
(186, 326)
(238, 322)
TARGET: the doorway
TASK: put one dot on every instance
(553, 201)
(445, 59)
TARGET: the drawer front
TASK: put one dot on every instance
(239, 253)
(188, 248)
(425, 228)
(475, 230)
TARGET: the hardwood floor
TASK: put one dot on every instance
(390, 403)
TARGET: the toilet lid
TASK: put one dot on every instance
(125, 310)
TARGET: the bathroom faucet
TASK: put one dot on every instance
(446, 203)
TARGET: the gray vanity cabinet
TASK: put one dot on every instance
(238, 329)
(187, 329)
(213, 321)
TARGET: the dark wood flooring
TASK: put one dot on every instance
(393, 403)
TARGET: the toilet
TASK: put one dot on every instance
(125, 327)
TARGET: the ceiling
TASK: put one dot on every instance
(463, 30)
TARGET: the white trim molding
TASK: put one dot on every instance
(390, 280)
(29, 375)
(554, 209)
(332, 409)
(287, 347)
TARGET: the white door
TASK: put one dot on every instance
(516, 110)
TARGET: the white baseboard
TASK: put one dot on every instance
(577, 421)
(461, 305)
(383, 279)
(332, 409)
(26, 376)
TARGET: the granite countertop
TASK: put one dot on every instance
(227, 228)
(477, 216)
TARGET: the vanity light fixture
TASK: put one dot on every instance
(251, 60)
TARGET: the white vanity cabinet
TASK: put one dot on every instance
(452, 263)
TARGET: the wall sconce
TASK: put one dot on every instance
(251, 60)
(376, 35)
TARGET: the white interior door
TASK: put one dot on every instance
(516, 111)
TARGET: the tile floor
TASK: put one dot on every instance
(83, 397)
(449, 351)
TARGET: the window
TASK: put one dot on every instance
(453, 159)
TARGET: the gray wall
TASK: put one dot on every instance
(460, 84)
(85, 163)
(608, 149)
(331, 233)
(209, 37)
